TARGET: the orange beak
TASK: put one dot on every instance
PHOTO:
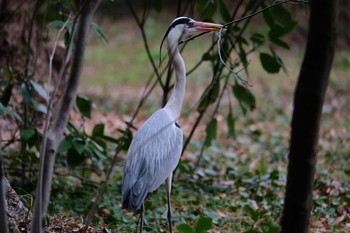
(207, 27)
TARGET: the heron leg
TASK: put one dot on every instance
(142, 215)
(168, 184)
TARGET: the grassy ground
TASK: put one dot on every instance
(238, 185)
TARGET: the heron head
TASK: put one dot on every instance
(185, 26)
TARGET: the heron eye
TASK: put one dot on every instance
(190, 24)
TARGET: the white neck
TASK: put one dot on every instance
(175, 101)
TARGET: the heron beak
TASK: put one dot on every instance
(207, 27)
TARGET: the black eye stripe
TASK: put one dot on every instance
(178, 21)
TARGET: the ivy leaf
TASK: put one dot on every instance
(251, 212)
(185, 228)
(245, 98)
(84, 105)
(204, 224)
(269, 63)
(210, 132)
(269, 228)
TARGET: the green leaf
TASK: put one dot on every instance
(8, 73)
(204, 224)
(96, 150)
(257, 39)
(251, 212)
(251, 231)
(59, 24)
(39, 89)
(5, 111)
(225, 14)
(280, 22)
(98, 130)
(268, 227)
(206, 57)
(206, 9)
(79, 145)
(243, 56)
(210, 132)
(158, 4)
(230, 120)
(110, 139)
(245, 98)
(6, 95)
(66, 38)
(185, 228)
(84, 105)
(269, 63)
(209, 96)
(64, 145)
(278, 59)
(74, 158)
(72, 129)
(26, 93)
(56, 24)
(27, 134)
(40, 107)
(30, 136)
(280, 43)
(281, 30)
(99, 32)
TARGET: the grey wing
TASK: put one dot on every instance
(153, 155)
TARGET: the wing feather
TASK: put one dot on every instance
(152, 157)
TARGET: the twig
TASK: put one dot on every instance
(275, 3)
(246, 82)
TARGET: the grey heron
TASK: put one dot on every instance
(156, 148)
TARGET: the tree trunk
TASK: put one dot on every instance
(308, 102)
(53, 137)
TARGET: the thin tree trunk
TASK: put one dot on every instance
(308, 102)
(55, 134)
(3, 188)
